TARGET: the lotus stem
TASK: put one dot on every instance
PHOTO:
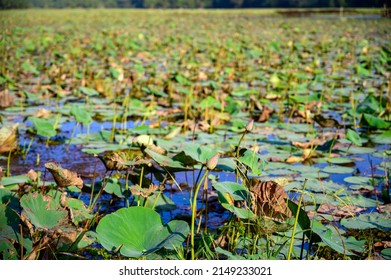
(9, 164)
(194, 212)
(296, 222)
(72, 135)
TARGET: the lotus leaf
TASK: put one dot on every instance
(354, 137)
(253, 160)
(43, 127)
(365, 221)
(237, 191)
(386, 253)
(199, 153)
(41, 211)
(139, 231)
(164, 160)
(81, 115)
(335, 240)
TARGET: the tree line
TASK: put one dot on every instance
(165, 4)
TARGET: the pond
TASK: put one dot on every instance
(282, 134)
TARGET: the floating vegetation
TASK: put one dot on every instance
(194, 135)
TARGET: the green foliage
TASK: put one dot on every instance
(139, 231)
(42, 214)
(43, 127)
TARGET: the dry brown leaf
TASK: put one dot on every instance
(64, 177)
(306, 145)
(269, 199)
(8, 138)
(310, 153)
(202, 76)
(32, 175)
(6, 99)
(340, 211)
(42, 113)
(266, 113)
(385, 208)
(294, 159)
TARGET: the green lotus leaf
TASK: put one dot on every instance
(43, 127)
(88, 91)
(239, 212)
(353, 137)
(199, 153)
(113, 186)
(384, 138)
(80, 211)
(339, 160)
(338, 169)
(366, 221)
(386, 253)
(376, 122)
(362, 201)
(41, 213)
(8, 198)
(81, 115)
(357, 150)
(237, 191)
(164, 160)
(358, 180)
(13, 181)
(139, 231)
(226, 164)
(253, 160)
(9, 222)
(332, 238)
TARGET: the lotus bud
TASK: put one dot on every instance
(250, 126)
(212, 162)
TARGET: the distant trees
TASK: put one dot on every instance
(17, 4)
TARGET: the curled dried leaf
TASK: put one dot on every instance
(8, 138)
(309, 144)
(266, 114)
(64, 177)
(43, 113)
(269, 199)
(32, 175)
(139, 191)
(294, 159)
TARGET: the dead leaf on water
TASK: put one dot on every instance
(340, 211)
(294, 159)
(309, 144)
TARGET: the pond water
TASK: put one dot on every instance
(71, 156)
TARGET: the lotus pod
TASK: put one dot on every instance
(269, 199)
(8, 138)
(64, 177)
